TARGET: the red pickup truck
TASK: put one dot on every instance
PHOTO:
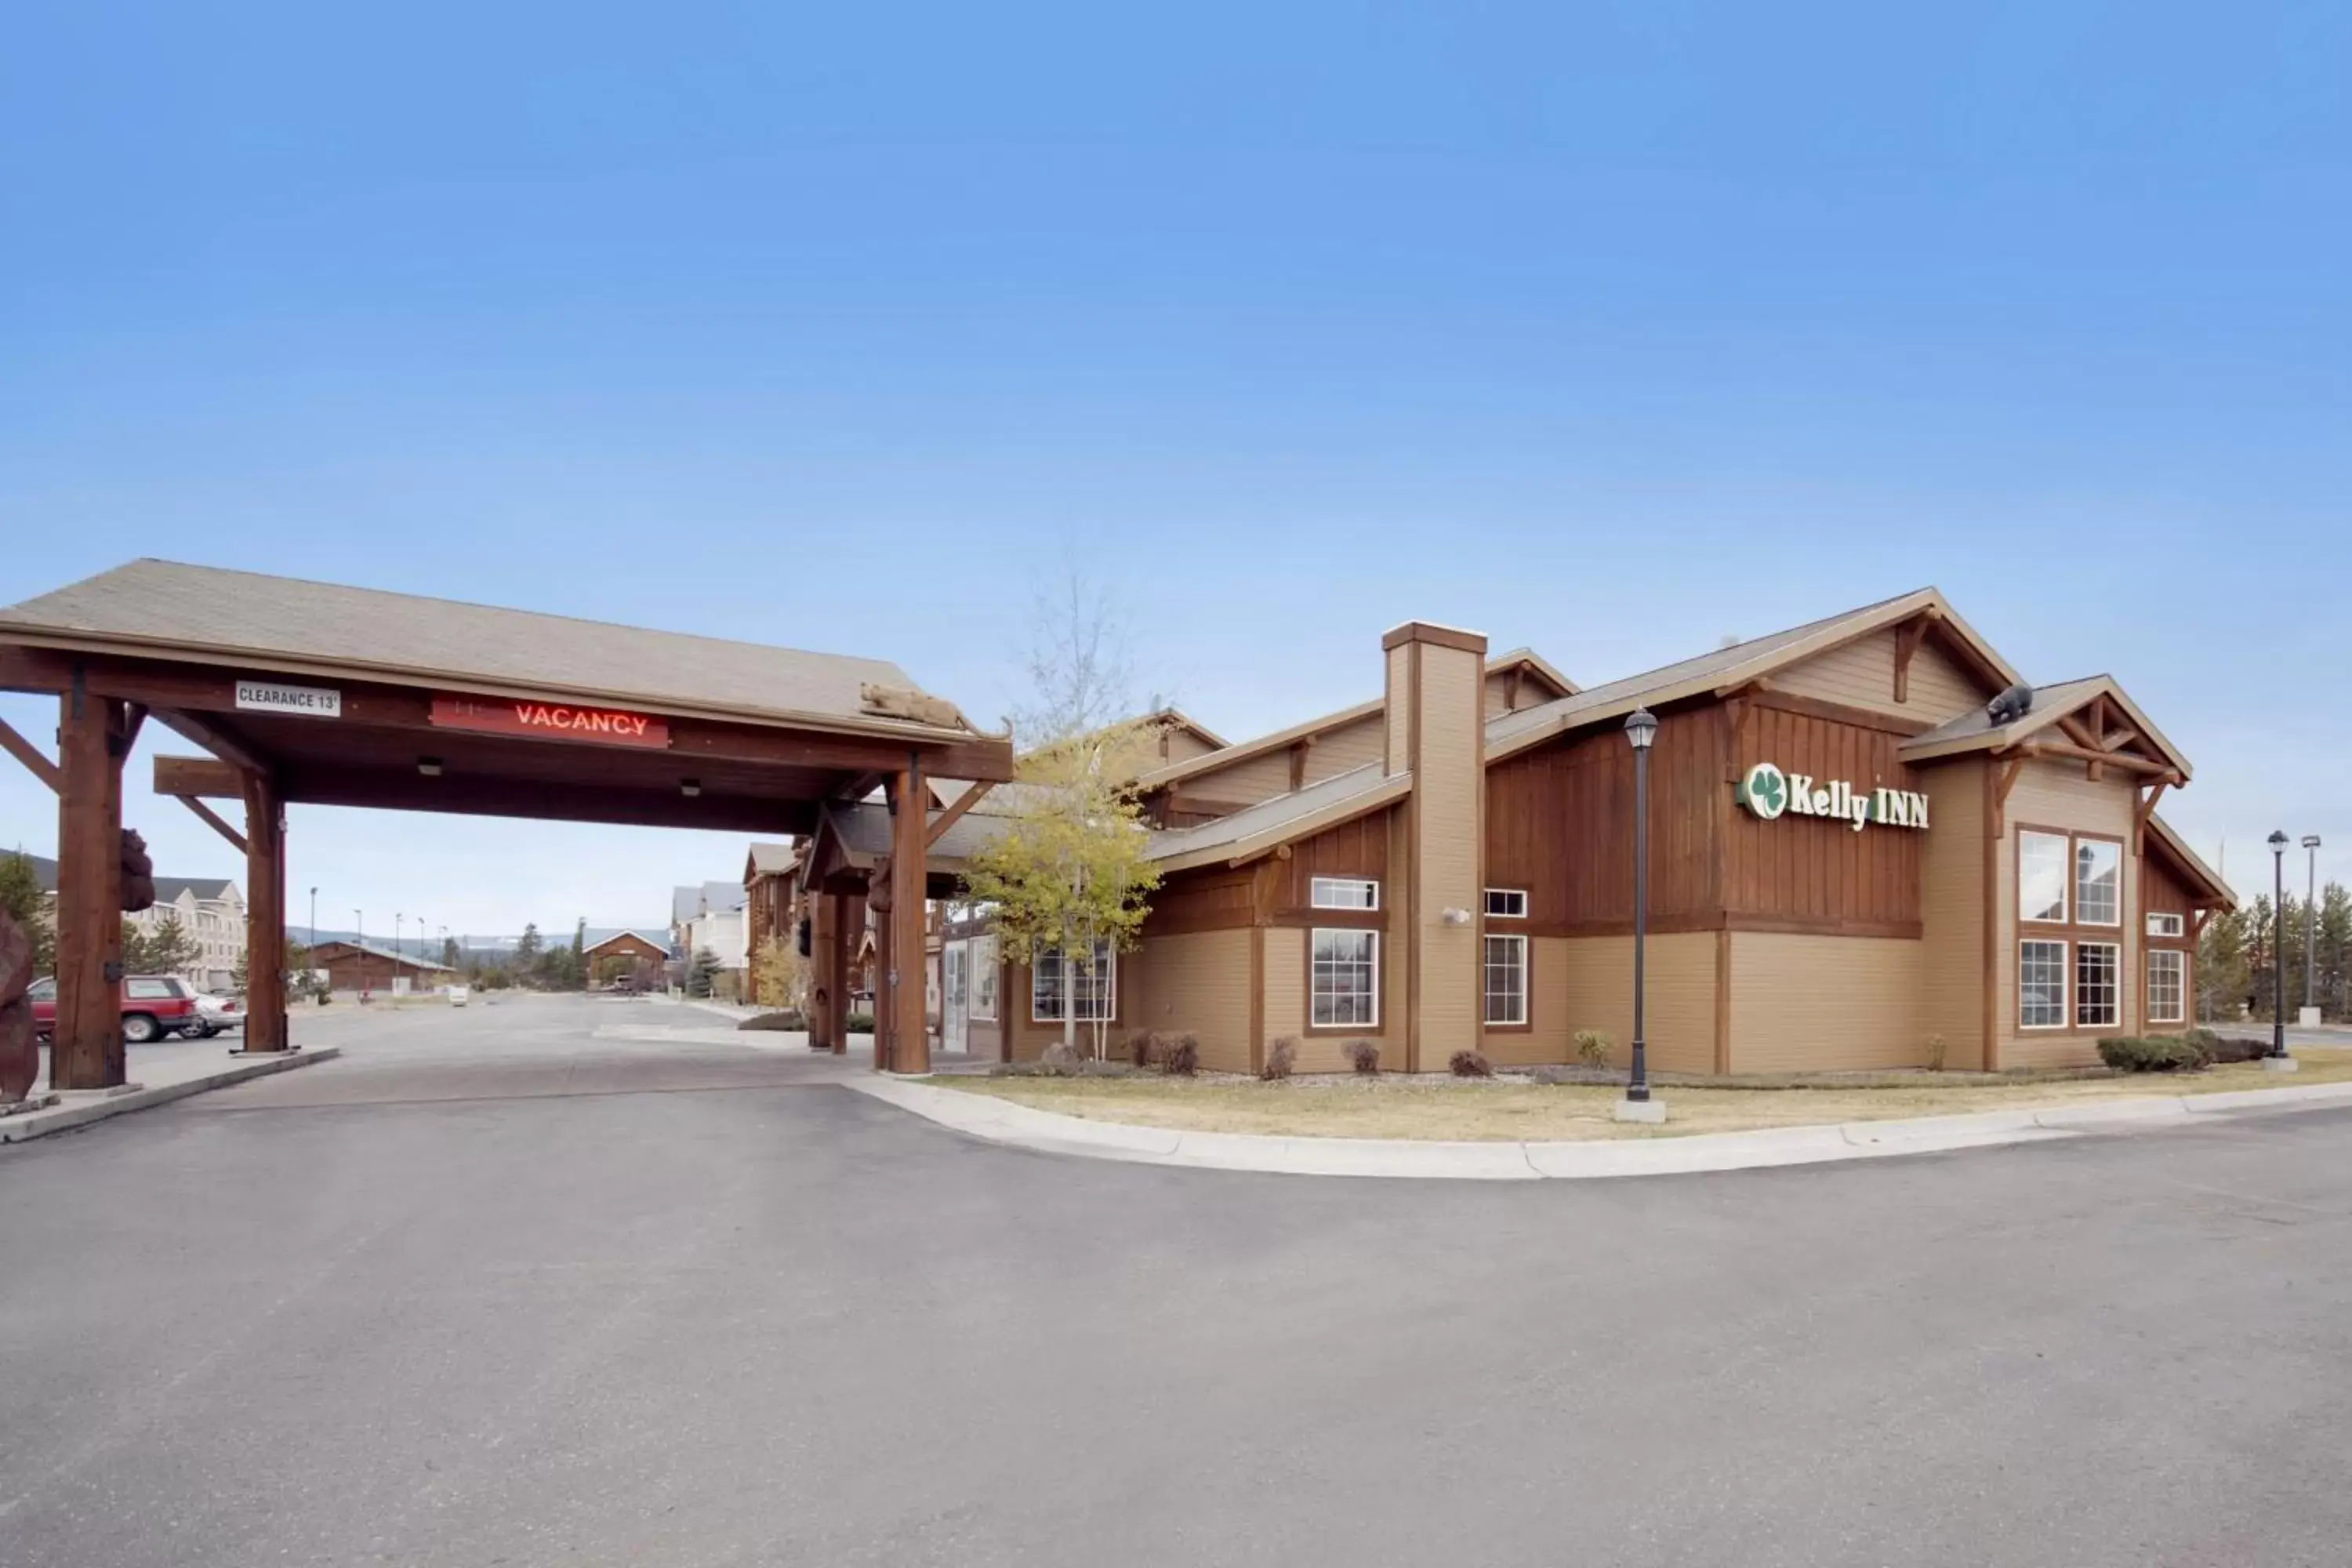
(153, 1005)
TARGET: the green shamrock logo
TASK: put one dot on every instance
(1764, 791)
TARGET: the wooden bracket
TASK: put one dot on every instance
(1298, 750)
(35, 761)
(1907, 638)
(213, 739)
(2003, 782)
(1735, 709)
(947, 820)
(219, 825)
(2143, 809)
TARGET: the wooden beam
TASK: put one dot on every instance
(2143, 809)
(215, 821)
(2003, 780)
(2076, 730)
(1298, 750)
(35, 761)
(1907, 638)
(214, 737)
(2085, 754)
(199, 778)
(86, 1048)
(910, 1042)
(956, 808)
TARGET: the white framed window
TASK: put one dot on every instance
(2099, 984)
(1343, 893)
(2041, 984)
(2041, 876)
(2098, 882)
(2168, 925)
(1343, 979)
(1506, 980)
(1507, 903)
(984, 979)
(1092, 987)
(2167, 986)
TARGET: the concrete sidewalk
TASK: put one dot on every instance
(1025, 1127)
(158, 1077)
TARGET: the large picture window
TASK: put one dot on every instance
(2099, 984)
(1506, 980)
(1343, 893)
(1092, 989)
(2167, 986)
(1343, 979)
(2098, 882)
(2041, 984)
(2041, 876)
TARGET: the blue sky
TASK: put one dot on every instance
(1610, 330)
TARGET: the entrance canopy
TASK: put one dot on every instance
(316, 694)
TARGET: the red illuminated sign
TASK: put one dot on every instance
(551, 721)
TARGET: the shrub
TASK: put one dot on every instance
(1059, 1060)
(1469, 1064)
(858, 1024)
(2230, 1048)
(1592, 1048)
(1364, 1056)
(1279, 1054)
(788, 1018)
(1179, 1055)
(1142, 1046)
(2156, 1053)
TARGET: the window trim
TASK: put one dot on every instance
(1526, 1020)
(2067, 876)
(2178, 924)
(2074, 878)
(1316, 885)
(1371, 933)
(2075, 1012)
(2065, 985)
(1111, 1016)
(1507, 893)
(2178, 961)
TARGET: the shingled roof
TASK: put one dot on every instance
(283, 624)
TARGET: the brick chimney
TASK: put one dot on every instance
(1436, 732)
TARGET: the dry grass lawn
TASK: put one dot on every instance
(1419, 1107)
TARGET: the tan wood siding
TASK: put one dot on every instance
(1814, 1003)
(1596, 991)
(1448, 787)
(1559, 820)
(1545, 1040)
(1200, 983)
(1348, 747)
(1810, 868)
(1952, 911)
(2059, 794)
(1396, 715)
(1862, 675)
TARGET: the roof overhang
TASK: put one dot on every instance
(1251, 846)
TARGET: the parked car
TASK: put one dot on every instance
(216, 1011)
(153, 1005)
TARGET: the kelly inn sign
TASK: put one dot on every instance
(1770, 794)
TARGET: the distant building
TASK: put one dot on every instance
(620, 952)
(211, 911)
(712, 915)
(363, 966)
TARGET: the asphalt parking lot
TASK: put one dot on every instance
(496, 1289)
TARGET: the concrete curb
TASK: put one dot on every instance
(82, 1106)
(1025, 1127)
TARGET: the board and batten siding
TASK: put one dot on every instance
(1596, 991)
(1813, 869)
(2059, 794)
(1861, 674)
(1812, 1004)
(1200, 985)
(1952, 912)
(2163, 892)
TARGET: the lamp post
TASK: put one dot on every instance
(314, 917)
(2311, 935)
(1641, 730)
(2278, 1060)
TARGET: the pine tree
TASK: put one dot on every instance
(703, 975)
(21, 899)
(2224, 968)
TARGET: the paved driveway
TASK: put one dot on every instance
(493, 1290)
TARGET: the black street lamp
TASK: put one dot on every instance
(1641, 730)
(2278, 952)
(2311, 929)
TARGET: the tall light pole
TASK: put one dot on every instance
(2311, 933)
(314, 917)
(1641, 730)
(2278, 1060)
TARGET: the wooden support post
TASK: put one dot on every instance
(826, 1006)
(265, 916)
(92, 737)
(910, 1049)
(878, 892)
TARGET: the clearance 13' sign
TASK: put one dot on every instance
(552, 721)
(1769, 792)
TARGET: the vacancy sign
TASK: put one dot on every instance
(551, 721)
(269, 696)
